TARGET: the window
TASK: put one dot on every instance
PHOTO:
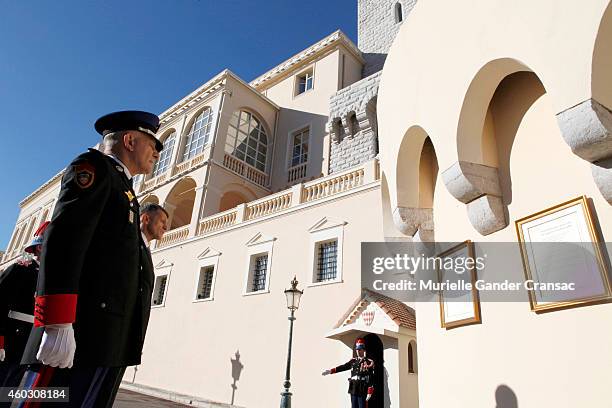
(399, 15)
(412, 357)
(247, 140)
(165, 156)
(299, 150)
(205, 283)
(160, 285)
(326, 242)
(304, 82)
(327, 261)
(198, 135)
(159, 290)
(260, 267)
(206, 275)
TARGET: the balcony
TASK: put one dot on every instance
(245, 170)
(298, 196)
(296, 173)
(174, 172)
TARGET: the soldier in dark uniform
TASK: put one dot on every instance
(17, 287)
(93, 296)
(361, 382)
(153, 225)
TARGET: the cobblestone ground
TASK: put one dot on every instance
(129, 399)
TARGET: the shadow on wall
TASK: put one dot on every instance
(237, 367)
(387, 392)
(290, 123)
(505, 397)
(374, 63)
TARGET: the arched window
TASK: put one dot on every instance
(399, 16)
(412, 358)
(247, 140)
(165, 156)
(198, 135)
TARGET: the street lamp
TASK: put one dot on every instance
(293, 303)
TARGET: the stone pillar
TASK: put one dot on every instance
(297, 192)
(195, 213)
(170, 208)
(241, 213)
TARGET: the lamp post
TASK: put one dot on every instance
(293, 303)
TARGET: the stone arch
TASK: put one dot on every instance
(597, 112)
(601, 74)
(481, 177)
(233, 195)
(149, 199)
(416, 175)
(180, 203)
(390, 232)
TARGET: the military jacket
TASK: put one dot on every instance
(17, 287)
(361, 381)
(92, 256)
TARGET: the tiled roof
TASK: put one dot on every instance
(399, 312)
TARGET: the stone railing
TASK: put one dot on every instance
(217, 221)
(338, 183)
(188, 164)
(268, 205)
(171, 237)
(245, 170)
(173, 172)
(296, 173)
(154, 182)
(283, 201)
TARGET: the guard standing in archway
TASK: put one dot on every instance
(361, 383)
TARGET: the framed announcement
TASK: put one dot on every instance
(459, 300)
(563, 257)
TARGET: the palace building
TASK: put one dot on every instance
(448, 121)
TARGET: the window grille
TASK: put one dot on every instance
(260, 267)
(327, 261)
(160, 290)
(206, 279)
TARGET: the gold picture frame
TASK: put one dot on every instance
(457, 313)
(572, 219)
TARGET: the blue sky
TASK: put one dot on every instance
(65, 63)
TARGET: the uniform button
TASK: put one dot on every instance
(103, 305)
(140, 290)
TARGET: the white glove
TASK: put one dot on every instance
(368, 397)
(58, 346)
(2, 354)
(326, 372)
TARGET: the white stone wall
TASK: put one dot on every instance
(353, 141)
(377, 28)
